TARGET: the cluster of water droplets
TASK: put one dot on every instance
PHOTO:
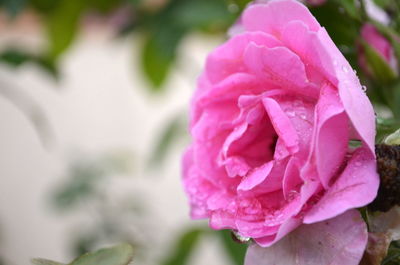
(296, 109)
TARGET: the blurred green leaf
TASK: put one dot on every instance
(381, 70)
(350, 7)
(159, 53)
(13, 7)
(104, 6)
(385, 127)
(235, 250)
(202, 14)
(343, 31)
(393, 256)
(44, 7)
(17, 58)
(45, 262)
(81, 185)
(62, 25)
(118, 255)
(383, 3)
(171, 132)
(183, 248)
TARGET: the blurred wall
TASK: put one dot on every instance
(101, 103)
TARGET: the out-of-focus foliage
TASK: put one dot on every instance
(117, 255)
(183, 248)
(163, 26)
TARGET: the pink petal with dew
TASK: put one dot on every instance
(274, 15)
(291, 180)
(257, 176)
(332, 136)
(339, 241)
(279, 67)
(290, 220)
(356, 187)
(227, 58)
(319, 51)
(282, 124)
(355, 101)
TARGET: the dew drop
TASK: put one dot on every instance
(239, 237)
(344, 68)
(291, 113)
(364, 88)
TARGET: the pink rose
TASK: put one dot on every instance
(271, 121)
(380, 44)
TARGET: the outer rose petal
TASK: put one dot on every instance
(356, 186)
(355, 102)
(338, 241)
(271, 18)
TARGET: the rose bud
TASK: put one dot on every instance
(376, 55)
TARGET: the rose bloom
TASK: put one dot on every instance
(380, 44)
(271, 121)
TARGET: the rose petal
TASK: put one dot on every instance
(332, 135)
(356, 186)
(227, 58)
(282, 124)
(256, 177)
(341, 240)
(355, 101)
(279, 67)
(274, 15)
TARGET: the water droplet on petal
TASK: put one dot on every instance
(364, 88)
(239, 238)
(291, 113)
(344, 68)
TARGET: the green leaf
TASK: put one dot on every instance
(235, 250)
(381, 70)
(62, 26)
(159, 52)
(44, 7)
(117, 255)
(385, 127)
(393, 256)
(202, 14)
(183, 248)
(45, 262)
(171, 132)
(81, 185)
(17, 58)
(343, 31)
(13, 7)
(351, 8)
(104, 6)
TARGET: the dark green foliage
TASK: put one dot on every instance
(183, 247)
(236, 251)
(17, 58)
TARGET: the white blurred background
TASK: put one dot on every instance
(99, 106)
